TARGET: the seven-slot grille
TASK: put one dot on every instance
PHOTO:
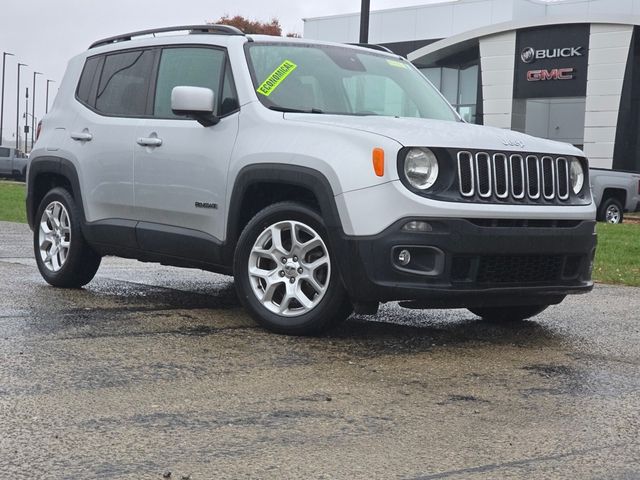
(501, 176)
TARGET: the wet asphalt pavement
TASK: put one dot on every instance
(153, 370)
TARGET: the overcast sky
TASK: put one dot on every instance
(45, 33)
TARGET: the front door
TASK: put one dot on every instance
(180, 166)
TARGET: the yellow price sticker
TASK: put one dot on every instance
(395, 63)
(276, 78)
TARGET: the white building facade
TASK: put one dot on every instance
(564, 70)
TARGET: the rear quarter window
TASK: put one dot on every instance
(87, 80)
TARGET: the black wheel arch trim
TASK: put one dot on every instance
(51, 164)
(298, 176)
(293, 175)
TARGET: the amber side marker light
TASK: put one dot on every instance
(378, 161)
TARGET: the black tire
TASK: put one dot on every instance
(508, 314)
(81, 262)
(333, 308)
(611, 211)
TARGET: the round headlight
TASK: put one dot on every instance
(576, 175)
(421, 168)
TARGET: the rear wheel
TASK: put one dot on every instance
(285, 272)
(508, 314)
(611, 211)
(63, 256)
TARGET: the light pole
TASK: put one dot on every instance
(4, 59)
(33, 106)
(26, 119)
(46, 107)
(364, 21)
(20, 65)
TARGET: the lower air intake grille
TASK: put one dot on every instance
(500, 269)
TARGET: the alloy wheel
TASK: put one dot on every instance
(289, 268)
(54, 237)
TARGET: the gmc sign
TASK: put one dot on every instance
(553, 74)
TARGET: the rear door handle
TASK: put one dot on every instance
(82, 136)
(150, 142)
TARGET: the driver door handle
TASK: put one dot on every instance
(149, 142)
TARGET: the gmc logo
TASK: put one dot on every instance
(554, 74)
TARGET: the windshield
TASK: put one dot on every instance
(341, 80)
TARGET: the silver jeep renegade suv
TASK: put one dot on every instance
(323, 177)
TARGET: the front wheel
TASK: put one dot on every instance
(285, 272)
(508, 314)
(63, 256)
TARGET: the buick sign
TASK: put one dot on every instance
(530, 55)
(551, 61)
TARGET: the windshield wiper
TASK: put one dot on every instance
(278, 108)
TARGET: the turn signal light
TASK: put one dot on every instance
(378, 161)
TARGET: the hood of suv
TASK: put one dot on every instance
(418, 132)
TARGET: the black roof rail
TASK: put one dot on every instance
(214, 29)
(372, 46)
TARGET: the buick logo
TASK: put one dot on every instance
(528, 55)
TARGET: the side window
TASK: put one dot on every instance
(87, 80)
(191, 67)
(124, 83)
(4, 152)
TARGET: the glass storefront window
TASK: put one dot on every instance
(449, 87)
(468, 91)
(459, 86)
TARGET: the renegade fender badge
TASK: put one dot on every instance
(213, 206)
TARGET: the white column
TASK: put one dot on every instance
(608, 53)
(497, 64)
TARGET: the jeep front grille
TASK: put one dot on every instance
(501, 176)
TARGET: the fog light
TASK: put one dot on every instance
(404, 257)
(417, 226)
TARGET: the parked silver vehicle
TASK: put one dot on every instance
(13, 163)
(615, 193)
(325, 178)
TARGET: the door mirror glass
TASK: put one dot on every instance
(194, 102)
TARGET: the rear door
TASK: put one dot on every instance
(180, 182)
(114, 93)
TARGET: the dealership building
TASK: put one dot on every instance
(567, 70)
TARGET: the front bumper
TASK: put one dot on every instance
(470, 263)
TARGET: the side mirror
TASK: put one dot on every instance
(195, 102)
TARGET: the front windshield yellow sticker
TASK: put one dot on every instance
(277, 77)
(395, 63)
